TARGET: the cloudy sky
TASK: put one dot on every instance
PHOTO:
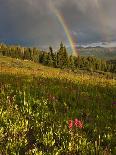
(33, 22)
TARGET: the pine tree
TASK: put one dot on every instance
(45, 58)
(62, 57)
(50, 60)
(51, 57)
(71, 62)
(35, 55)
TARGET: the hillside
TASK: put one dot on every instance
(30, 68)
(60, 59)
(98, 52)
(47, 110)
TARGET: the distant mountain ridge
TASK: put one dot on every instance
(98, 52)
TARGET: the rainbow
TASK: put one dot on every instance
(65, 27)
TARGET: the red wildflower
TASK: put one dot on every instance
(78, 123)
(70, 123)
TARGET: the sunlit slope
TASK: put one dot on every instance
(29, 68)
(36, 103)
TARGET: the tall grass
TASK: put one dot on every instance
(35, 108)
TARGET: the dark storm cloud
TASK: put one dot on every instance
(32, 22)
(92, 20)
(26, 21)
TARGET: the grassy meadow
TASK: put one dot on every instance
(37, 104)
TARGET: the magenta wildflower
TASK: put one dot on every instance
(70, 124)
(78, 123)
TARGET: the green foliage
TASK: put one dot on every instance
(51, 58)
(62, 57)
(59, 59)
(34, 114)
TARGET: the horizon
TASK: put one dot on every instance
(77, 45)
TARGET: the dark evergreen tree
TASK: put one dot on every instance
(59, 59)
(62, 57)
(45, 58)
(71, 63)
(51, 58)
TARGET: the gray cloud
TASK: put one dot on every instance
(32, 22)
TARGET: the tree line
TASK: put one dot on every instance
(59, 59)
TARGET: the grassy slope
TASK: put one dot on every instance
(68, 95)
(29, 68)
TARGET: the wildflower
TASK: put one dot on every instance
(78, 123)
(70, 123)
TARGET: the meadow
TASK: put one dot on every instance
(48, 111)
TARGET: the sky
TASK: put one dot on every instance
(34, 23)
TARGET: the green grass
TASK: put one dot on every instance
(36, 103)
